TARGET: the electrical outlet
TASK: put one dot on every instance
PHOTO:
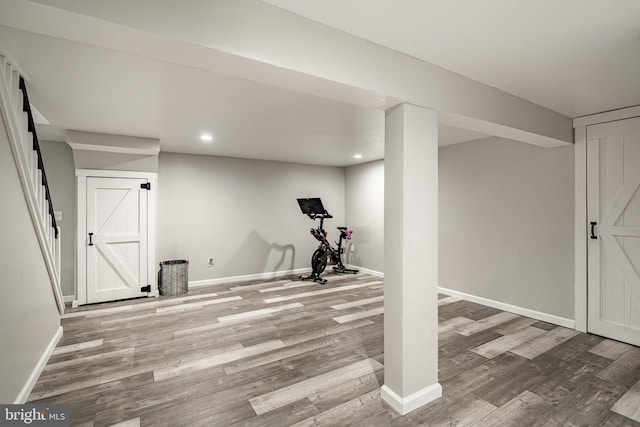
(210, 262)
(352, 248)
(58, 215)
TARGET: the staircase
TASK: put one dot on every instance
(16, 113)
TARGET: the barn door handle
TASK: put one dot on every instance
(593, 230)
(90, 239)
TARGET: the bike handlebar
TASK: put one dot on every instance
(314, 216)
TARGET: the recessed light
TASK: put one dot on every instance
(357, 156)
(206, 137)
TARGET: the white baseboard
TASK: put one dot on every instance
(545, 317)
(366, 270)
(258, 276)
(413, 401)
(69, 298)
(37, 370)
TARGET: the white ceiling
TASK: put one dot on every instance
(82, 87)
(115, 67)
(576, 57)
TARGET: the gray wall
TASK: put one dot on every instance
(243, 213)
(364, 192)
(58, 162)
(506, 223)
(28, 312)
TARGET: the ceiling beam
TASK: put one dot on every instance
(253, 40)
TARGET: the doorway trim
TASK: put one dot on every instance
(581, 266)
(81, 226)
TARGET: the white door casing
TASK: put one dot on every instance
(613, 211)
(119, 258)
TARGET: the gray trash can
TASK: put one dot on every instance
(174, 277)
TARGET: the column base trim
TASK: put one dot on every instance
(413, 401)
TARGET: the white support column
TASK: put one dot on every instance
(411, 258)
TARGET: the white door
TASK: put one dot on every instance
(116, 241)
(613, 210)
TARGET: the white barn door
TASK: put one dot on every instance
(613, 211)
(116, 239)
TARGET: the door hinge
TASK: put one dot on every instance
(145, 288)
(146, 185)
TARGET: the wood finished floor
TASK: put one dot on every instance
(284, 352)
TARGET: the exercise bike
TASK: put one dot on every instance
(314, 209)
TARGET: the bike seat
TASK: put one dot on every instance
(341, 228)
